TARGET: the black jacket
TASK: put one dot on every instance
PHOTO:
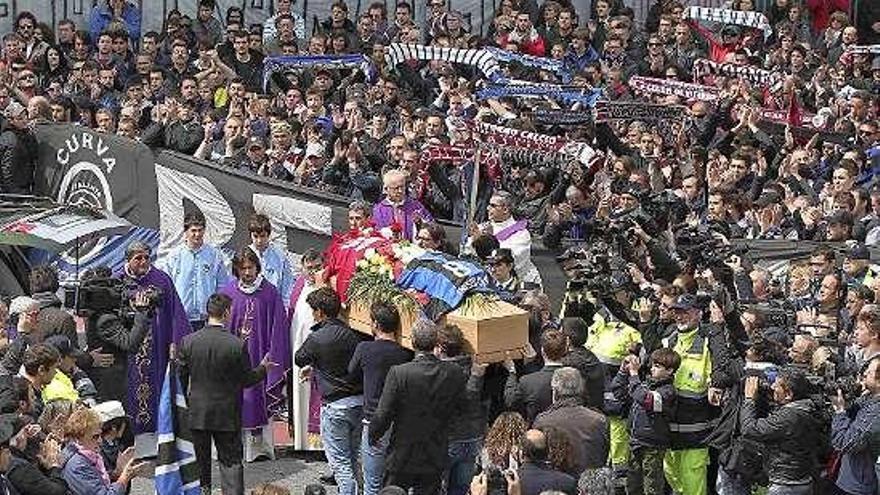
(530, 395)
(537, 478)
(113, 335)
(471, 422)
(583, 360)
(53, 320)
(183, 137)
(215, 367)
(328, 350)
(18, 155)
(789, 437)
(420, 398)
(28, 479)
(652, 406)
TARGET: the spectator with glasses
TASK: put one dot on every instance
(397, 212)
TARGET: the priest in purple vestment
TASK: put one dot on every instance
(146, 368)
(397, 213)
(259, 318)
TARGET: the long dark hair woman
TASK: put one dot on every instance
(53, 67)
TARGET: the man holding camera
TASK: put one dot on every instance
(855, 432)
(790, 448)
(117, 336)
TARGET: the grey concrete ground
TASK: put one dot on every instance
(291, 470)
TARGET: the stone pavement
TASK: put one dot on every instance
(292, 470)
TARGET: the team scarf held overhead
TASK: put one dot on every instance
(332, 62)
(755, 20)
(556, 92)
(506, 137)
(484, 60)
(446, 153)
(863, 49)
(755, 75)
(550, 116)
(689, 91)
(487, 60)
(557, 67)
(628, 110)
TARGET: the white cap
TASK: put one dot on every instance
(314, 149)
(21, 304)
(109, 410)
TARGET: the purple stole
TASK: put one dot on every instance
(146, 367)
(258, 318)
(510, 230)
(314, 425)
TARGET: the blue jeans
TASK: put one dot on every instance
(462, 456)
(373, 459)
(341, 436)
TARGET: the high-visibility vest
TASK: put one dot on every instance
(694, 374)
(610, 340)
(691, 426)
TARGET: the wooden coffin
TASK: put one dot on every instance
(492, 330)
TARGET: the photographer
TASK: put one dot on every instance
(570, 220)
(854, 432)
(786, 433)
(117, 332)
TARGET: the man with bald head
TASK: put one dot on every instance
(398, 215)
(537, 475)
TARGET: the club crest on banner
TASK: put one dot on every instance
(85, 181)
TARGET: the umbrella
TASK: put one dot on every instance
(57, 228)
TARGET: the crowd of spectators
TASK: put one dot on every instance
(704, 378)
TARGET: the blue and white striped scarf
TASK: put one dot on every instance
(565, 94)
(484, 60)
(332, 62)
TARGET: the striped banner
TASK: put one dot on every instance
(177, 472)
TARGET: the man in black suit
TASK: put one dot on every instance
(214, 366)
(420, 398)
(531, 394)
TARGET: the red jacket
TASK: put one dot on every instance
(821, 11)
(534, 45)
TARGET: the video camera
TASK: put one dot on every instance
(109, 295)
(702, 247)
(597, 267)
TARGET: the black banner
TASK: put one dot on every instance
(154, 189)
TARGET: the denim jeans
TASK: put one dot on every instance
(462, 458)
(341, 436)
(731, 484)
(373, 459)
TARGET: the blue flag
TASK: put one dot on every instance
(177, 472)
